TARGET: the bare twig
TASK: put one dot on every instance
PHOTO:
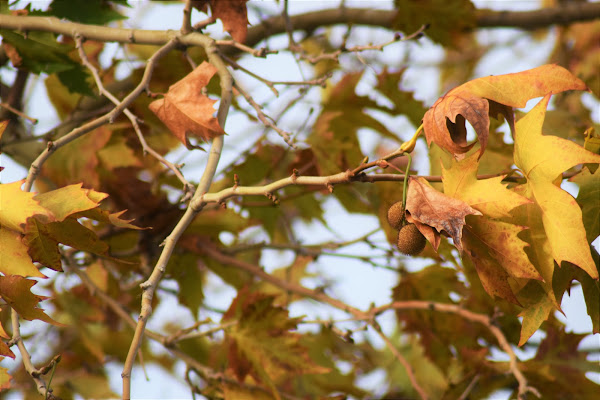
(188, 188)
(409, 371)
(150, 285)
(35, 374)
(19, 113)
(485, 320)
(186, 25)
(261, 53)
(36, 166)
(357, 49)
(291, 287)
(263, 118)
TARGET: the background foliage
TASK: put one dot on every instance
(260, 263)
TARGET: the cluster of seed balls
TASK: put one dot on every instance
(410, 241)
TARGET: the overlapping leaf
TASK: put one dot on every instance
(433, 212)
(542, 159)
(477, 100)
(15, 290)
(186, 111)
(261, 342)
(494, 246)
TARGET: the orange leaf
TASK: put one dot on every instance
(3, 126)
(233, 13)
(475, 101)
(15, 290)
(185, 110)
(430, 207)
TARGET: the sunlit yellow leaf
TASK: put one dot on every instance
(542, 159)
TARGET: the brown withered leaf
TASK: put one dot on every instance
(233, 13)
(477, 100)
(186, 111)
(429, 207)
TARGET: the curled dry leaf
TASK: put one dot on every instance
(233, 13)
(430, 209)
(477, 100)
(186, 111)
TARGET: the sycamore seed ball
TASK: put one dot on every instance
(410, 241)
(395, 214)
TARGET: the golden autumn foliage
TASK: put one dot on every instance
(271, 266)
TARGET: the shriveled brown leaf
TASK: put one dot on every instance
(430, 207)
(233, 13)
(477, 100)
(186, 111)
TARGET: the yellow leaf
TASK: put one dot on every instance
(14, 259)
(69, 200)
(542, 159)
(490, 196)
(16, 206)
(477, 100)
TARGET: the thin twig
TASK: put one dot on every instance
(263, 118)
(36, 166)
(409, 371)
(186, 25)
(291, 287)
(150, 285)
(19, 113)
(188, 188)
(485, 320)
(35, 374)
(261, 52)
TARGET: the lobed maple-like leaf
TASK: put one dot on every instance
(14, 257)
(476, 100)
(69, 200)
(15, 290)
(261, 342)
(588, 198)
(429, 208)
(542, 159)
(77, 161)
(186, 111)
(16, 206)
(494, 246)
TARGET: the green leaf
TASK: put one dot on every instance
(40, 52)
(446, 19)
(390, 85)
(97, 12)
(587, 198)
(186, 270)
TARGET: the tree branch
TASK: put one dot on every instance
(566, 14)
(485, 320)
(36, 166)
(150, 285)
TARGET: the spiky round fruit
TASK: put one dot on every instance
(395, 215)
(410, 241)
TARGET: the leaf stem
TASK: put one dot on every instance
(405, 187)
